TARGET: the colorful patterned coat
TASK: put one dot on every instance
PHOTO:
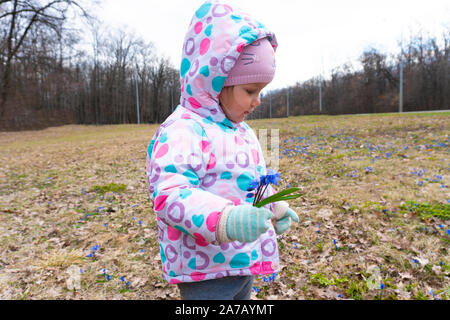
(199, 162)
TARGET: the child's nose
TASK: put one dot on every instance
(256, 102)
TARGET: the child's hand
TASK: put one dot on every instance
(243, 223)
(283, 216)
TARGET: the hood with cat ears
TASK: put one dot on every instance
(216, 37)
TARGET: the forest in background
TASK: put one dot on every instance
(49, 77)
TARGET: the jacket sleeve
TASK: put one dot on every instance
(177, 163)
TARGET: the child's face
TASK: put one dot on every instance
(239, 101)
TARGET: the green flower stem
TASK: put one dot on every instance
(282, 195)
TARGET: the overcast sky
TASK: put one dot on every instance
(314, 35)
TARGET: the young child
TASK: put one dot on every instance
(202, 159)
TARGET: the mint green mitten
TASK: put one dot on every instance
(243, 223)
(283, 215)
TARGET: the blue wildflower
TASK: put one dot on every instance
(253, 185)
(273, 177)
(263, 181)
(335, 245)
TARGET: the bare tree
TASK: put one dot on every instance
(21, 17)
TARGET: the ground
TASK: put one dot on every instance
(76, 221)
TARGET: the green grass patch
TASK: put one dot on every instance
(321, 280)
(112, 187)
(427, 210)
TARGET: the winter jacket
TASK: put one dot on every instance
(199, 162)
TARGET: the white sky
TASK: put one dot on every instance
(314, 35)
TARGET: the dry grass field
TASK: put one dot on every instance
(76, 221)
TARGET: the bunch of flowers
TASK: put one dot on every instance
(257, 189)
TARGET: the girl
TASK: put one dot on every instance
(202, 159)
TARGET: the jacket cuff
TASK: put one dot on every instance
(221, 230)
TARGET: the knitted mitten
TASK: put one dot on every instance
(283, 216)
(243, 223)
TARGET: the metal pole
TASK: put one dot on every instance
(171, 98)
(287, 103)
(320, 96)
(260, 112)
(400, 100)
(137, 102)
(270, 105)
